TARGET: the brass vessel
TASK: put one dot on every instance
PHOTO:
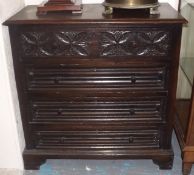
(131, 4)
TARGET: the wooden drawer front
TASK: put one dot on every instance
(126, 78)
(109, 110)
(146, 42)
(97, 139)
(55, 43)
(65, 41)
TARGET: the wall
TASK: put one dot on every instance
(174, 3)
(11, 141)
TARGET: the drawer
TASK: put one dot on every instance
(102, 110)
(67, 41)
(135, 42)
(97, 139)
(51, 78)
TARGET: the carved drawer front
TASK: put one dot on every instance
(55, 43)
(135, 42)
(97, 78)
(96, 42)
(109, 109)
(97, 139)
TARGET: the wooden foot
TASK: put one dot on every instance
(33, 162)
(186, 168)
(164, 163)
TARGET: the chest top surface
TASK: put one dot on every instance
(93, 13)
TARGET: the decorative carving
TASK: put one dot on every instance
(112, 43)
(125, 43)
(43, 44)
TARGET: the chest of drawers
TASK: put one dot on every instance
(94, 86)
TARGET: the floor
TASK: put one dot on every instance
(109, 167)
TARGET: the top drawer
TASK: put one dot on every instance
(72, 41)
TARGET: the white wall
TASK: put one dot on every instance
(174, 3)
(11, 138)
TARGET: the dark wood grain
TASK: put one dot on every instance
(95, 86)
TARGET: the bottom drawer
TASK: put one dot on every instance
(97, 139)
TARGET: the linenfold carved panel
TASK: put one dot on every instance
(45, 44)
(139, 43)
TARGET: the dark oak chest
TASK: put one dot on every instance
(95, 86)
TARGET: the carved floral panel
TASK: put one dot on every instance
(43, 44)
(135, 43)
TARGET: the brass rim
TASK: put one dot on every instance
(131, 6)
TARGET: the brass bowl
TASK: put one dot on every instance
(131, 4)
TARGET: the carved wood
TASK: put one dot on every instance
(110, 43)
(92, 86)
(136, 43)
(43, 44)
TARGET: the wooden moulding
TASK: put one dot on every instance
(74, 6)
(33, 158)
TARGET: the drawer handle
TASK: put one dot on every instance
(158, 107)
(62, 65)
(156, 139)
(131, 139)
(57, 81)
(160, 76)
(133, 79)
(132, 111)
(59, 112)
(31, 73)
(63, 139)
(35, 105)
